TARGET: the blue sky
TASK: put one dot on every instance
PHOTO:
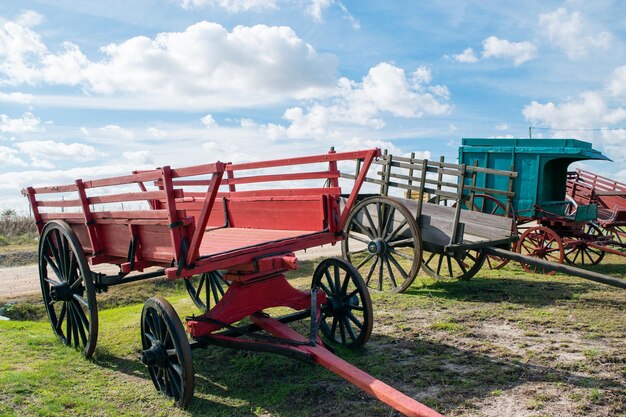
(90, 89)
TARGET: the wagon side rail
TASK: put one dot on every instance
(427, 180)
(51, 202)
(263, 177)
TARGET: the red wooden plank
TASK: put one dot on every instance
(59, 203)
(124, 179)
(55, 189)
(342, 156)
(198, 170)
(203, 217)
(285, 177)
(124, 197)
(273, 192)
(60, 216)
(131, 215)
(89, 220)
(322, 356)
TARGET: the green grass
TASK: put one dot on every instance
(464, 348)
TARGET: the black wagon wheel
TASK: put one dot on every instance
(347, 316)
(461, 265)
(617, 234)
(543, 243)
(166, 351)
(384, 243)
(67, 287)
(578, 252)
(486, 203)
(208, 290)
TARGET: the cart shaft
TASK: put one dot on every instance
(552, 266)
(378, 389)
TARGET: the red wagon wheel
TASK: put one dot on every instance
(543, 243)
(491, 205)
(166, 351)
(67, 287)
(384, 244)
(579, 252)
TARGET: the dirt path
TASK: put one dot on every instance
(24, 280)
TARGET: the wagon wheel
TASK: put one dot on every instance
(462, 265)
(346, 317)
(67, 287)
(617, 234)
(384, 244)
(543, 243)
(488, 204)
(166, 351)
(578, 252)
(214, 287)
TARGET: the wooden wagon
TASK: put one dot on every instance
(249, 234)
(584, 188)
(557, 228)
(428, 214)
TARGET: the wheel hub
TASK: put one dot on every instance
(61, 292)
(377, 246)
(155, 356)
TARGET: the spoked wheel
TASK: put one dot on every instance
(347, 316)
(214, 288)
(462, 265)
(166, 351)
(579, 253)
(491, 205)
(617, 235)
(384, 244)
(543, 243)
(67, 287)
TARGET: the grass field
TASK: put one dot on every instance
(503, 344)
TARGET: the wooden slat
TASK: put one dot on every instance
(60, 216)
(285, 177)
(124, 197)
(198, 170)
(55, 189)
(135, 214)
(124, 179)
(331, 156)
(59, 203)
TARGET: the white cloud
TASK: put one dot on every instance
(502, 126)
(116, 132)
(519, 52)
(204, 63)
(16, 97)
(233, 6)
(617, 84)
(27, 123)
(140, 157)
(570, 32)
(467, 56)
(9, 157)
(43, 150)
(208, 121)
(587, 111)
(494, 47)
(385, 89)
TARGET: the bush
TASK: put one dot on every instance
(13, 226)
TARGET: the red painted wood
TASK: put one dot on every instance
(242, 300)
(59, 203)
(54, 189)
(301, 160)
(124, 197)
(227, 259)
(203, 217)
(89, 220)
(30, 193)
(376, 388)
(285, 177)
(305, 213)
(198, 170)
(357, 187)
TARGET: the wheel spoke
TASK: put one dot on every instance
(363, 262)
(61, 318)
(394, 284)
(388, 220)
(354, 319)
(397, 230)
(349, 328)
(371, 271)
(354, 236)
(373, 231)
(398, 266)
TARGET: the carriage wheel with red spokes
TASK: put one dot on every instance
(543, 243)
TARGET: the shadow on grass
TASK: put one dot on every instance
(528, 291)
(446, 378)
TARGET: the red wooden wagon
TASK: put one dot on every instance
(250, 234)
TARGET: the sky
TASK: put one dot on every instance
(94, 89)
